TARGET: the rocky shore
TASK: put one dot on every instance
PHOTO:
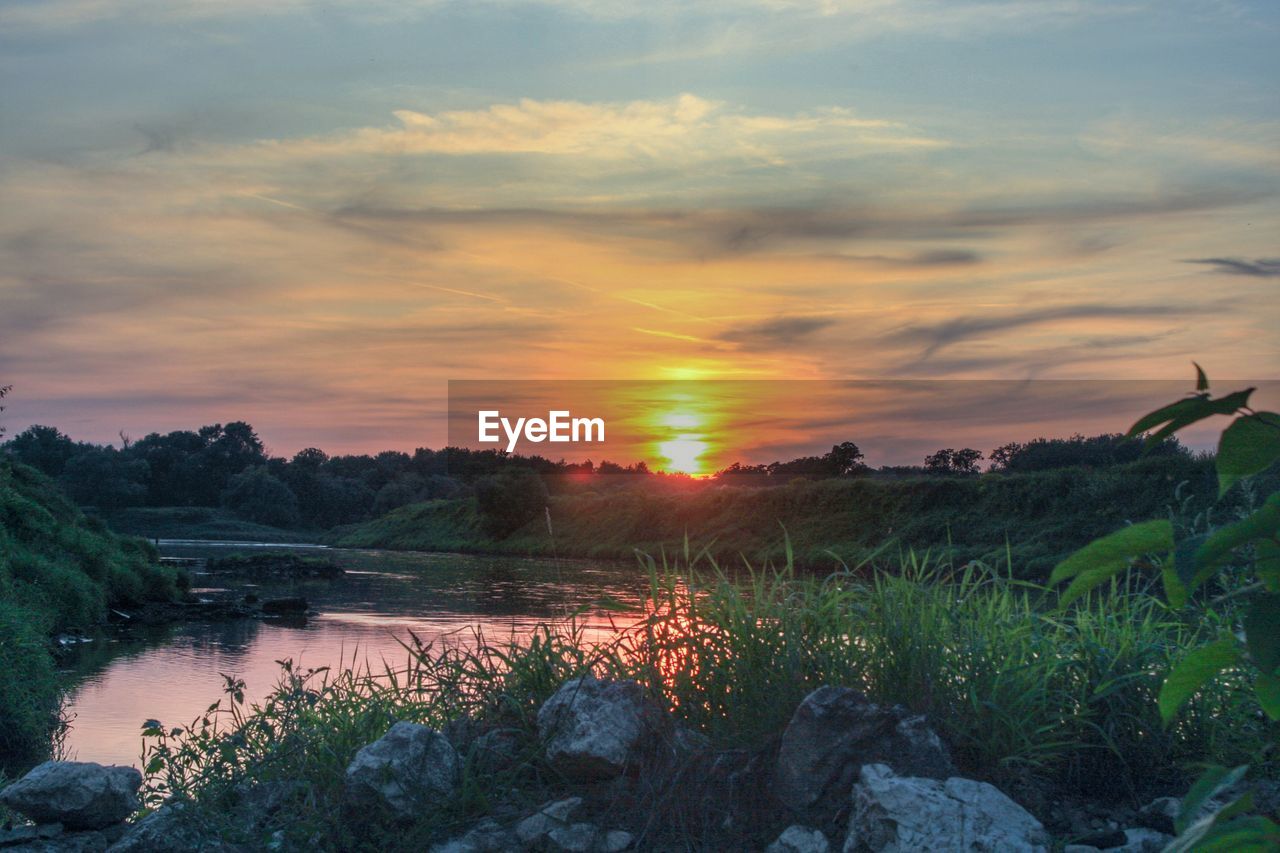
(847, 774)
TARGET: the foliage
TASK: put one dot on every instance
(508, 501)
(1241, 562)
(256, 495)
(1098, 451)
(59, 571)
(1018, 691)
(952, 461)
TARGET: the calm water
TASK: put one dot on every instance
(173, 674)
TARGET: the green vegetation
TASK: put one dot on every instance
(1048, 701)
(1040, 516)
(1239, 562)
(196, 522)
(59, 572)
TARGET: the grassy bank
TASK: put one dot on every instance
(1039, 517)
(1044, 703)
(197, 522)
(59, 572)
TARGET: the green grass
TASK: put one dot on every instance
(1025, 695)
(197, 522)
(59, 572)
(1039, 516)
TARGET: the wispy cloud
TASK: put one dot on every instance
(1257, 268)
(779, 332)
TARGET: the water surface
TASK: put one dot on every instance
(174, 673)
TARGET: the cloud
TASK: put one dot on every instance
(1257, 268)
(777, 333)
(937, 336)
(681, 128)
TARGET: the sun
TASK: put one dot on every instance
(683, 454)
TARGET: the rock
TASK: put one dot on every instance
(836, 730)
(1103, 840)
(1159, 814)
(547, 818)
(87, 841)
(616, 840)
(79, 795)
(291, 605)
(895, 814)
(575, 838)
(497, 749)
(172, 828)
(597, 729)
(408, 768)
(1140, 840)
(799, 839)
(1080, 848)
(487, 836)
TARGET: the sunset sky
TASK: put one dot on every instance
(311, 215)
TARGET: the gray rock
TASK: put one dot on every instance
(79, 795)
(549, 817)
(497, 749)
(487, 836)
(895, 814)
(575, 838)
(407, 769)
(1160, 813)
(88, 841)
(1141, 840)
(172, 828)
(836, 730)
(596, 729)
(799, 839)
(615, 841)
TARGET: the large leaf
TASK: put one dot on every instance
(1185, 412)
(1202, 381)
(1266, 563)
(1110, 555)
(1251, 444)
(1267, 688)
(1193, 671)
(1211, 782)
(1262, 631)
(1262, 524)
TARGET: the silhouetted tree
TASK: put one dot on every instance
(257, 495)
(509, 500)
(951, 461)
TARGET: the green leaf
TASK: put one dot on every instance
(1110, 555)
(1193, 671)
(1212, 781)
(1266, 563)
(1263, 524)
(1251, 444)
(1202, 381)
(1267, 688)
(1253, 834)
(1185, 412)
(1262, 631)
(1186, 569)
(1174, 589)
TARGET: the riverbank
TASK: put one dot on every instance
(1055, 709)
(60, 574)
(1027, 521)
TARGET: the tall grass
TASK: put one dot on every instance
(1020, 691)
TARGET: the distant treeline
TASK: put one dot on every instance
(228, 466)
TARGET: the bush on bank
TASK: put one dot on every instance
(59, 572)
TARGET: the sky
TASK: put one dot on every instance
(313, 215)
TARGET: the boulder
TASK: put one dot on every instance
(532, 829)
(596, 729)
(407, 769)
(836, 730)
(79, 795)
(1141, 840)
(172, 828)
(799, 839)
(487, 836)
(895, 814)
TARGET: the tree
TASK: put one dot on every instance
(509, 500)
(105, 478)
(4, 392)
(43, 448)
(845, 458)
(256, 495)
(951, 461)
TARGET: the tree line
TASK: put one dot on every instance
(227, 465)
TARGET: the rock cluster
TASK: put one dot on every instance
(854, 775)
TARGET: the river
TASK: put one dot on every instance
(174, 673)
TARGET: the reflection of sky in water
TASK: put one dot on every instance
(177, 674)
